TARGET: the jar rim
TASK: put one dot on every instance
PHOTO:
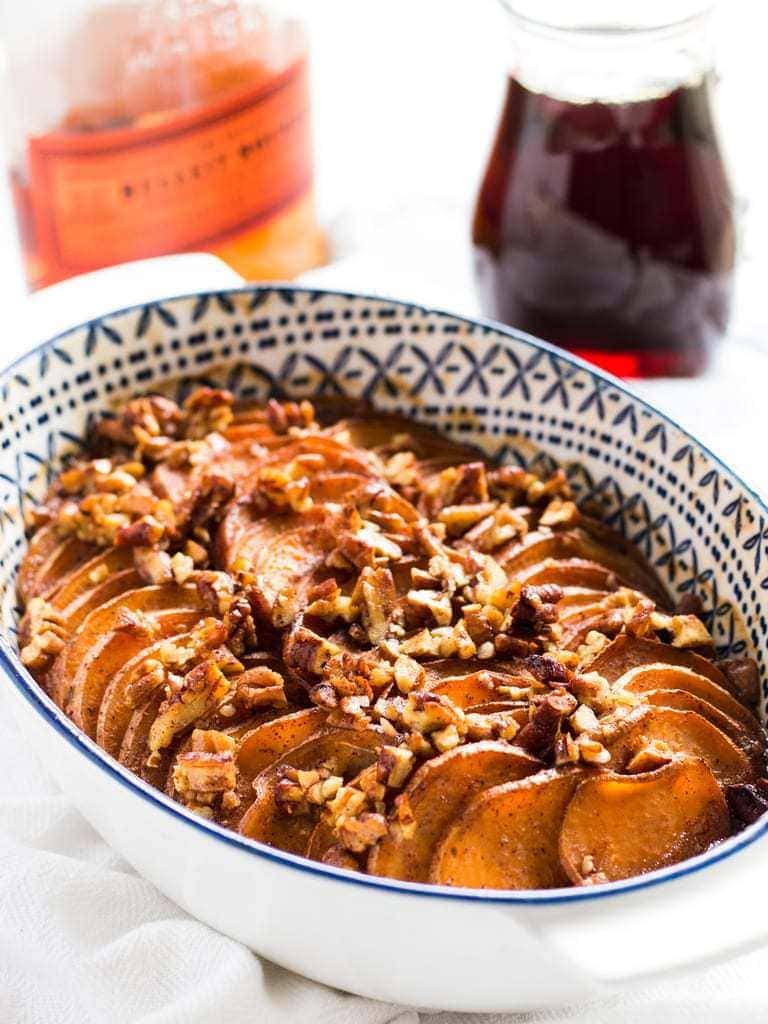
(606, 21)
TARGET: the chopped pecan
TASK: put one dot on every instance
(206, 410)
(747, 801)
(376, 596)
(211, 497)
(307, 653)
(591, 751)
(150, 678)
(358, 834)
(182, 567)
(651, 755)
(401, 469)
(299, 790)
(496, 530)
(394, 766)
(559, 513)
(366, 546)
(547, 669)
(594, 643)
(153, 565)
(47, 635)
(240, 626)
(537, 606)
(409, 674)
(207, 770)
(584, 720)
(327, 601)
(435, 603)
(337, 857)
(688, 631)
(155, 415)
(216, 589)
(539, 735)
(690, 604)
(201, 690)
(260, 687)
(284, 486)
(426, 712)
(743, 679)
(403, 817)
(144, 532)
(282, 416)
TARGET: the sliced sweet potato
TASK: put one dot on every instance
(683, 732)
(677, 677)
(578, 599)
(447, 668)
(91, 574)
(284, 568)
(508, 836)
(538, 546)
(571, 572)
(682, 700)
(321, 840)
(627, 652)
(241, 532)
(437, 793)
(266, 743)
(379, 430)
(81, 672)
(471, 690)
(113, 586)
(134, 750)
(47, 573)
(39, 550)
(618, 826)
(346, 751)
(117, 704)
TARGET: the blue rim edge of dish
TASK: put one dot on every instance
(65, 727)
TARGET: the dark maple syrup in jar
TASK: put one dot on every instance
(608, 228)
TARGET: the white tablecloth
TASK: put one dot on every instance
(83, 939)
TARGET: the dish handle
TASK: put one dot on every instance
(89, 296)
(709, 910)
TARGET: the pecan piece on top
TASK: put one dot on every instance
(202, 689)
(539, 735)
(743, 679)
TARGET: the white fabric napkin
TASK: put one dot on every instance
(84, 940)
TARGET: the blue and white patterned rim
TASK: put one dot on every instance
(603, 384)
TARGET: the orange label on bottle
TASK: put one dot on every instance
(185, 181)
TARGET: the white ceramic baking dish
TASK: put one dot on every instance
(701, 527)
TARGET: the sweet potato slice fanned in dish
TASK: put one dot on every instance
(436, 795)
(118, 630)
(682, 700)
(365, 643)
(677, 677)
(628, 652)
(280, 813)
(680, 732)
(617, 826)
(508, 836)
(266, 744)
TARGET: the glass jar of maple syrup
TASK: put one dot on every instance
(605, 219)
(146, 127)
